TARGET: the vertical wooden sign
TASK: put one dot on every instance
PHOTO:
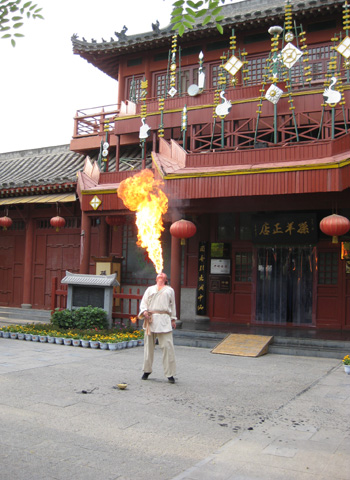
(201, 307)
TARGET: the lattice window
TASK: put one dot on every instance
(188, 77)
(256, 68)
(161, 85)
(215, 69)
(318, 60)
(71, 222)
(133, 88)
(243, 266)
(328, 268)
(17, 225)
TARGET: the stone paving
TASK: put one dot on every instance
(226, 417)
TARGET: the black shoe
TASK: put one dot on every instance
(171, 379)
(145, 376)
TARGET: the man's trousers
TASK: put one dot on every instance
(166, 343)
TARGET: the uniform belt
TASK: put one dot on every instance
(160, 312)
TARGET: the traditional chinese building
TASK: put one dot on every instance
(36, 186)
(248, 130)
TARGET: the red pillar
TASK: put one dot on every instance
(85, 243)
(176, 269)
(117, 153)
(28, 262)
(103, 240)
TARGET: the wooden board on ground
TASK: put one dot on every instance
(243, 345)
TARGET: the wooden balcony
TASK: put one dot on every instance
(243, 128)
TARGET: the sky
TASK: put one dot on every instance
(43, 84)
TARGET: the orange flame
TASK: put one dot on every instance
(142, 194)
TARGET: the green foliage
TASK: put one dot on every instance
(82, 318)
(90, 317)
(187, 13)
(12, 16)
(63, 319)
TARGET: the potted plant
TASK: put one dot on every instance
(6, 332)
(346, 363)
(43, 337)
(104, 339)
(13, 329)
(94, 342)
(85, 339)
(51, 336)
(21, 333)
(59, 338)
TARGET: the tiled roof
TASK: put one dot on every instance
(56, 166)
(90, 280)
(38, 167)
(103, 54)
(130, 158)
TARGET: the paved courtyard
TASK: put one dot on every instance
(227, 417)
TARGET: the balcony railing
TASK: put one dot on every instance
(95, 121)
(306, 124)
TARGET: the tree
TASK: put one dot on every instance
(186, 14)
(12, 16)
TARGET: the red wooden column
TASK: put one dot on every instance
(175, 266)
(28, 263)
(121, 83)
(85, 243)
(103, 240)
(117, 152)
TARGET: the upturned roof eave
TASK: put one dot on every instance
(144, 41)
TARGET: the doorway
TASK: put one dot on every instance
(284, 288)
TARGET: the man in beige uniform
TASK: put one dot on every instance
(158, 310)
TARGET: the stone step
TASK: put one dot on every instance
(23, 316)
(280, 345)
(310, 347)
(288, 345)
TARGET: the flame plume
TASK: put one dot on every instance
(142, 194)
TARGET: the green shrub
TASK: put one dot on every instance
(90, 317)
(63, 319)
(82, 318)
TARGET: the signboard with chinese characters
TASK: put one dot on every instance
(220, 266)
(285, 228)
(220, 283)
(220, 250)
(201, 303)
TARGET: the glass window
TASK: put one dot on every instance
(243, 267)
(215, 69)
(226, 226)
(161, 85)
(256, 68)
(133, 88)
(188, 77)
(328, 268)
(245, 226)
(318, 59)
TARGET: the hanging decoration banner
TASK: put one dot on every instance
(285, 228)
(201, 304)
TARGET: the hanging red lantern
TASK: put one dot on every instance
(115, 221)
(57, 222)
(5, 222)
(335, 225)
(183, 229)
